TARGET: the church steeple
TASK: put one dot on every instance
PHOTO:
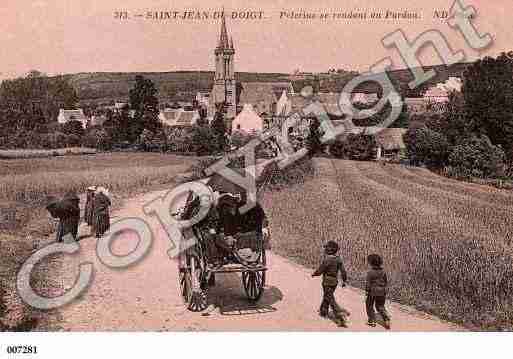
(223, 37)
(224, 78)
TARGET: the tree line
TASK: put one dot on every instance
(473, 137)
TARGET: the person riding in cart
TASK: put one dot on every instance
(242, 231)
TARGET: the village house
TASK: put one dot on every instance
(66, 116)
(179, 117)
(365, 98)
(260, 95)
(435, 98)
(248, 121)
(97, 120)
(390, 142)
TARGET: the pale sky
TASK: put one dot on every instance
(68, 36)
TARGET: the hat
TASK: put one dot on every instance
(103, 190)
(331, 247)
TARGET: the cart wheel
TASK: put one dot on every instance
(193, 295)
(253, 284)
(254, 281)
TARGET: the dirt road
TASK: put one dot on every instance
(145, 297)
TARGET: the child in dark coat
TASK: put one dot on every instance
(329, 269)
(376, 288)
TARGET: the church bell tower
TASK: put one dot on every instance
(224, 80)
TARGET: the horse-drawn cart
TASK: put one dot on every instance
(222, 246)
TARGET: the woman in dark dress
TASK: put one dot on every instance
(88, 211)
(68, 212)
(101, 217)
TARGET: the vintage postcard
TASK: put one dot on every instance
(254, 166)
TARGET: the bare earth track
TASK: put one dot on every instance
(145, 297)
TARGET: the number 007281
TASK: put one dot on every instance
(21, 349)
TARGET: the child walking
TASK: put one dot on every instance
(376, 288)
(329, 269)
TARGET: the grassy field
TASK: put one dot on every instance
(446, 244)
(28, 180)
(25, 154)
(25, 185)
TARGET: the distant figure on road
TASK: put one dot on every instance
(376, 288)
(68, 212)
(101, 217)
(329, 269)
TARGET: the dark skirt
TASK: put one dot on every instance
(101, 223)
(67, 226)
(88, 212)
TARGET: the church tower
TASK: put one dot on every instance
(224, 80)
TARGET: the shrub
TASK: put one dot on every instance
(427, 146)
(97, 138)
(46, 140)
(477, 157)
(73, 140)
(53, 140)
(239, 139)
(263, 150)
(197, 169)
(296, 173)
(313, 140)
(146, 140)
(179, 139)
(73, 127)
(337, 148)
(53, 127)
(33, 140)
(203, 140)
(359, 147)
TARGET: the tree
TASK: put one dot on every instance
(453, 122)
(426, 146)
(97, 138)
(313, 140)
(359, 147)
(488, 95)
(337, 148)
(404, 118)
(144, 100)
(36, 98)
(219, 127)
(202, 121)
(203, 140)
(477, 157)
(73, 127)
(73, 140)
